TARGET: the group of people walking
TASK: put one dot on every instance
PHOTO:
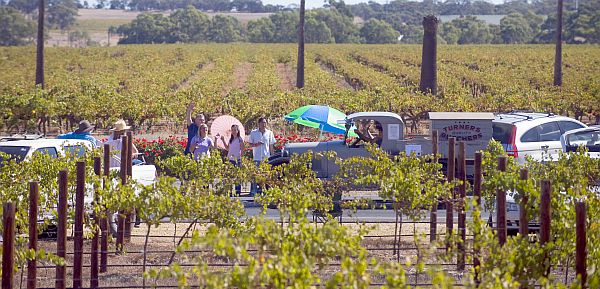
(199, 144)
(262, 141)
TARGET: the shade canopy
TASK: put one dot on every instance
(322, 117)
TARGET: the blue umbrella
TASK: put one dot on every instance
(322, 117)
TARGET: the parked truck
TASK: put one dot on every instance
(474, 128)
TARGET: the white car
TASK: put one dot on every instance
(24, 148)
(570, 141)
(588, 137)
(532, 134)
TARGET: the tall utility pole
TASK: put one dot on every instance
(558, 56)
(429, 56)
(300, 66)
(39, 64)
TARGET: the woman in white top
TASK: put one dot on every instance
(235, 150)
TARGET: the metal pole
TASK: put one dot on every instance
(39, 63)
(300, 67)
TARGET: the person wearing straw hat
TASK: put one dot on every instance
(115, 142)
(84, 132)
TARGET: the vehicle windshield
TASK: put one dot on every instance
(16, 153)
(588, 138)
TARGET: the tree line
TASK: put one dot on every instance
(190, 25)
(523, 21)
(251, 6)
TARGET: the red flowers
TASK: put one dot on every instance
(161, 147)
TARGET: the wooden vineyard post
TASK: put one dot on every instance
(501, 205)
(129, 153)
(462, 216)
(477, 195)
(545, 221)
(433, 214)
(450, 176)
(34, 192)
(129, 173)
(104, 221)
(523, 220)
(78, 239)
(8, 245)
(61, 236)
(581, 243)
(123, 174)
(545, 213)
(94, 257)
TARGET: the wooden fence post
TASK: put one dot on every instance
(129, 173)
(477, 195)
(104, 221)
(433, 214)
(34, 191)
(78, 239)
(450, 177)
(581, 243)
(61, 236)
(501, 205)
(129, 215)
(523, 220)
(462, 216)
(545, 212)
(123, 174)
(545, 221)
(94, 257)
(8, 245)
(129, 153)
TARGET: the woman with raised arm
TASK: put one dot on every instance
(192, 125)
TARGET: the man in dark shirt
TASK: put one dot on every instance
(192, 125)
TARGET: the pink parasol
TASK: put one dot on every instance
(221, 126)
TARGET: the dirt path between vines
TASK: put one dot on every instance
(287, 76)
(241, 72)
(201, 68)
(341, 81)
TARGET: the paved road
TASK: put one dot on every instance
(369, 216)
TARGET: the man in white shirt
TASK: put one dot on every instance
(262, 141)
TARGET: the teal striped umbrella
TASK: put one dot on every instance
(322, 117)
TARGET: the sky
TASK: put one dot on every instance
(319, 3)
